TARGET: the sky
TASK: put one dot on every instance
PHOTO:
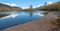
(27, 3)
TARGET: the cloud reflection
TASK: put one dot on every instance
(40, 14)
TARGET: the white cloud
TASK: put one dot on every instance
(49, 2)
(10, 4)
(13, 4)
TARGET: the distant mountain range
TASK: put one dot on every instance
(4, 7)
(47, 6)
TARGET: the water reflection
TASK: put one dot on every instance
(2, 15)
(30, 13)
(13, 15)
(40, 14)
(18, 18)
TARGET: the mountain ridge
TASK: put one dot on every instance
(4, 7)
(53, 7)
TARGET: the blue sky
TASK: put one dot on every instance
(26, 3)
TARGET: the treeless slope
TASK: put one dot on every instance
(42, 24)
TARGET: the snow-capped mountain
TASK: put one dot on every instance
(10, 4)
(7, 6)
(44, 4)
(4, 5)
(48, 3)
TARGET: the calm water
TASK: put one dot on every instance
(18, 17)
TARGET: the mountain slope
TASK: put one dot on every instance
(52, 7)
(4, 7)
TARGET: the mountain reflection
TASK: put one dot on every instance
(2, 15)
(10, 16)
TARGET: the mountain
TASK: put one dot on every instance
(10, 4)
(48, 3)
(51, 7)
(5, 7)
(43, 5)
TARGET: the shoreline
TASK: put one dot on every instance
(35, 25)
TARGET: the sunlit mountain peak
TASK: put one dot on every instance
(10, 4)
(48, 3)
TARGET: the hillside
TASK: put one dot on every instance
(4, 7)
(52, 7)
